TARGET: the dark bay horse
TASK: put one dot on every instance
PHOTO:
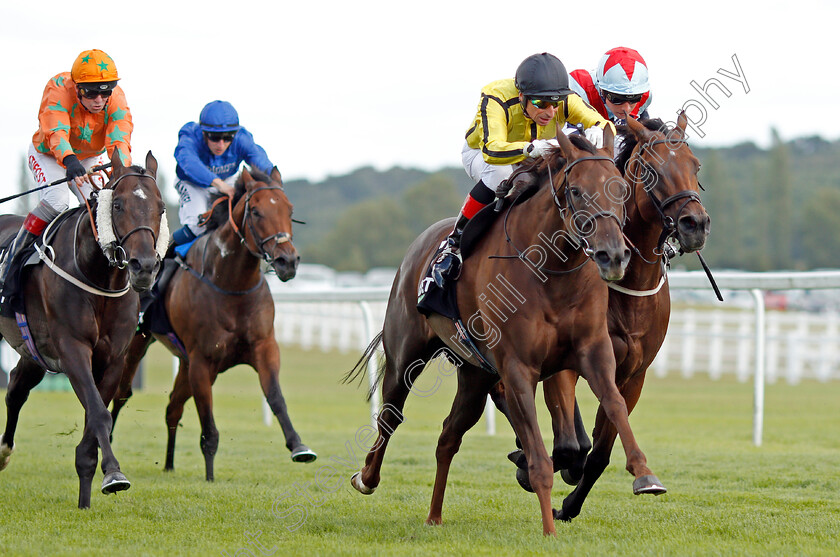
(665, 203)
(532, 315)
(222, 312)
(82, 307)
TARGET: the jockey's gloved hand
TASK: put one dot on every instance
(595, 136)
(537, 148)
(74, 167)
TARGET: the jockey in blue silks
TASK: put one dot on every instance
(209, 154)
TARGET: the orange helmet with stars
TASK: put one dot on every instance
(93, 66)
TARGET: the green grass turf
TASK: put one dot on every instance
(726, 496)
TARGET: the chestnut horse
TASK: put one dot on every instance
(665, 203)
(530, 319)
(82, 306)
(222, 313)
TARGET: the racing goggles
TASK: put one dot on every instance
(615, 98)
(93, 93)
(216, 137)
(542, 104)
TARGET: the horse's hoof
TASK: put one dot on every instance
(571, 478)
(518, 458)
(648, 484)
(356, 482)
(560, 515)
(524, 479)
(303, 454)
(5, 453)
(114, 482)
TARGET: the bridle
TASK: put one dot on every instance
(112, 246)
(669, 224)
(569, 206)
(279, 238)
(568, 195)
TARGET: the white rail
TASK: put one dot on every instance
(745, 333)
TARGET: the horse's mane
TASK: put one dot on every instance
(220, 212)
(630, 141)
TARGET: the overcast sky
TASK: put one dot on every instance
(327, 87)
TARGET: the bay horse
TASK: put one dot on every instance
(222, 313)
(665, 203)
(550, 316)
(81, 308)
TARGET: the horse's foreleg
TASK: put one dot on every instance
(136, 350)
(571, 444)
(616, 410)
(97, 425)
(573, 473)
(114, 479)
(267, 364)
(473, 386)
(520, 388)
(201, 378)
(24, 377)
(86, 458)
(181, 393)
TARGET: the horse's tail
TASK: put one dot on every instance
(361, 365)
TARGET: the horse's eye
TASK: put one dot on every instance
(575, 192)
(118, 206)
(255, 212)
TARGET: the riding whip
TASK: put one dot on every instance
(93, 170)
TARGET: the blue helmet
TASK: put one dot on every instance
(219, 116)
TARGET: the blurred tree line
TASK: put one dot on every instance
(771, 209)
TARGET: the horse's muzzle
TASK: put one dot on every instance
(692, 231)
(612, 262)
(142, 272)
(286, 266)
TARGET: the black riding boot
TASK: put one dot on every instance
(23, 240)
(448, 263)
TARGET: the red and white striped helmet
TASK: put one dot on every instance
(622, 70)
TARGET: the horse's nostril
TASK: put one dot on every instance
(602, 258)
(625, 257)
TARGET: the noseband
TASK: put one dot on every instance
(669, 224)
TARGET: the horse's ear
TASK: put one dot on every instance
(246, 177)
(609, 141)
(151, 164)
(566, 146)
(639, 130)
(116, 164)
(682, 121)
